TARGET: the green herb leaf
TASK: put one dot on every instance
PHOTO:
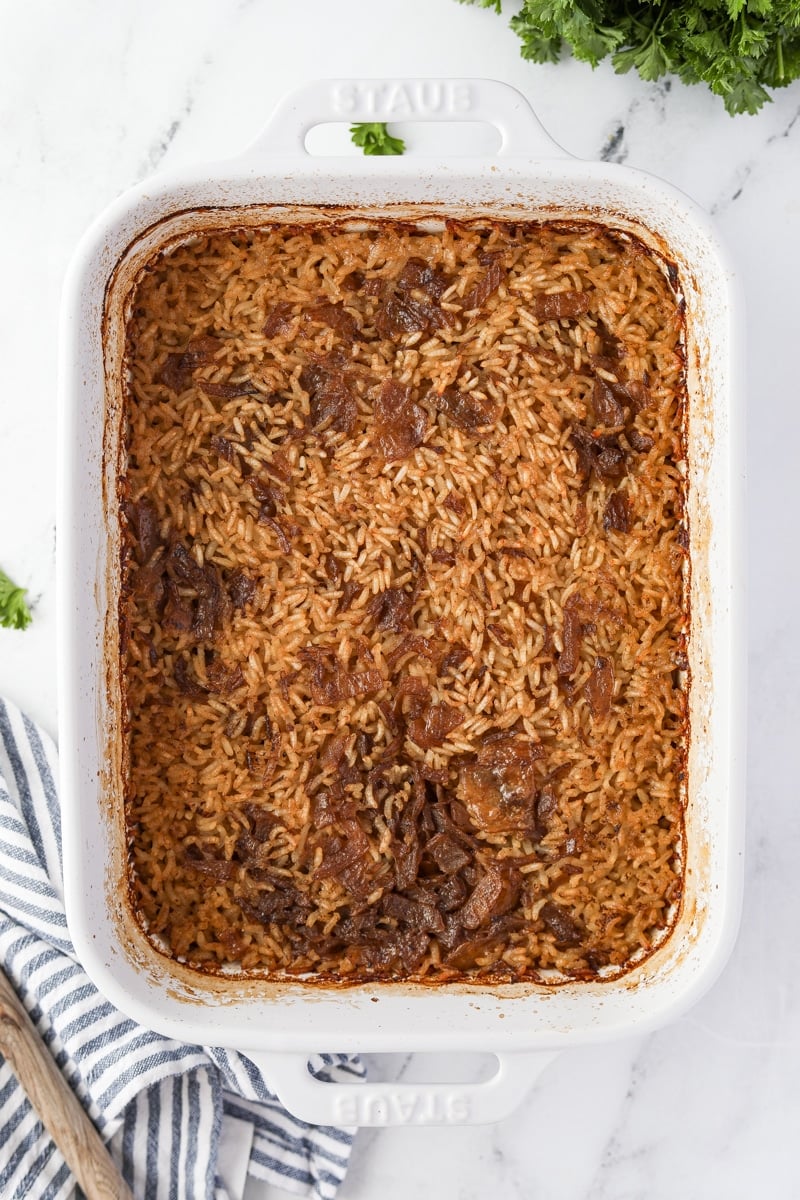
(651, 60)
(744, 96)
(374, 138)
(737, 48)
(535, 46)
(14, 612)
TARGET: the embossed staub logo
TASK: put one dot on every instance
(407, 98)
(402, 1107)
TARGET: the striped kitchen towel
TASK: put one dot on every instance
(180, 1120)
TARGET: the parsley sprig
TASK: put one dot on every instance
(374, 138)
(738, 48)
(14, 612)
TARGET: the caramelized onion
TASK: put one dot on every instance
(400, 423)
(599, 687)
(565, 929)
(552, 306)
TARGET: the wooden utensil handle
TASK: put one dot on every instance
(54, 1100)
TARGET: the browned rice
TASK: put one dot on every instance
(611, 855)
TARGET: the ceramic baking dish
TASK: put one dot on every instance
(524, 1024)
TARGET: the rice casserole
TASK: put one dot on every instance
(405, 600)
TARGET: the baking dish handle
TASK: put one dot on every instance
(399, 1103)
(332, 100)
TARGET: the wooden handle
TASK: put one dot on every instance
(60, 1111)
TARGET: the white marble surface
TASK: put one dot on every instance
(94, 96)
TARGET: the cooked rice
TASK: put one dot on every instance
(494, 536)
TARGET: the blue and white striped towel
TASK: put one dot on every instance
(170, 1112)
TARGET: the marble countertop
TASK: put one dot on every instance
(94, 97)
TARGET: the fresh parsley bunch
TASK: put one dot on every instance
(739, 48)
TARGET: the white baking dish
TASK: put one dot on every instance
(523, 1023)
